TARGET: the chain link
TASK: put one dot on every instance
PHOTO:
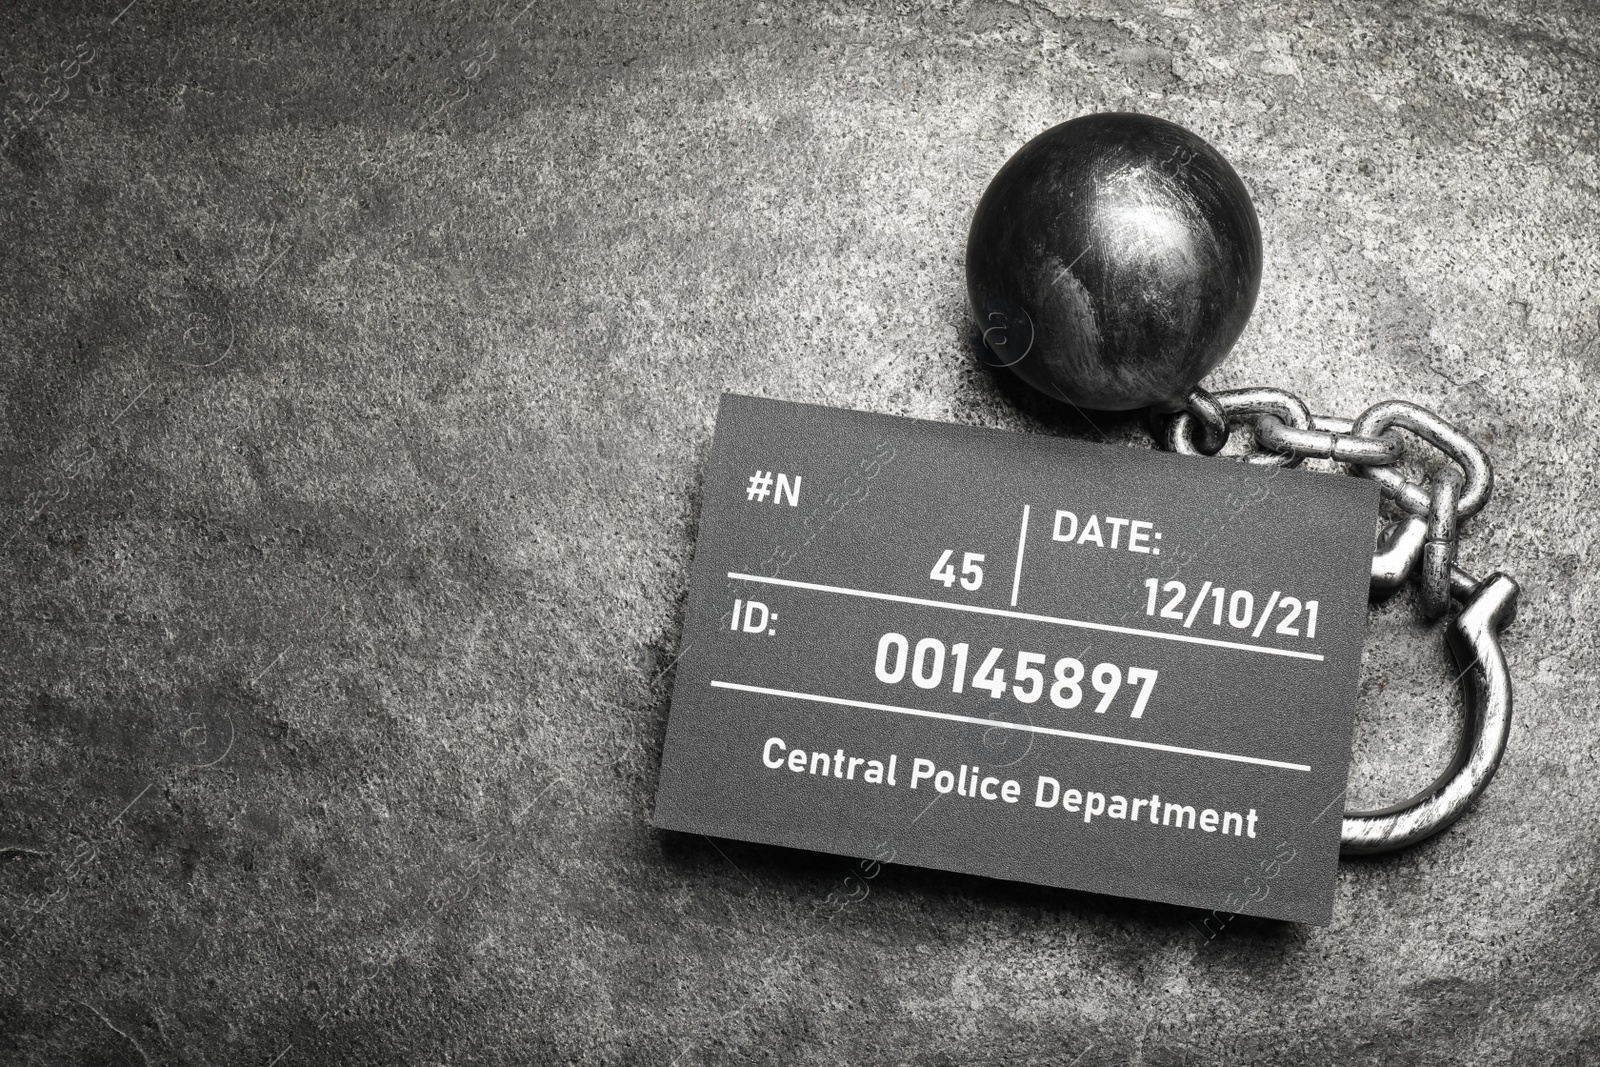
(1214, 414)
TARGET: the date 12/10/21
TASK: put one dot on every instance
(1240, 608)
(926, 668)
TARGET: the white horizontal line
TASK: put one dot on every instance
(1189, 639)
(1026, 727)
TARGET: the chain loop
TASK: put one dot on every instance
(1205, 409)
(1324, 442)
(1423, 545)
(1235, 407)
(1466, 452)
(1439, 552)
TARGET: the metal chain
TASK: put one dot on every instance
(1286, 433)
(1423, 545)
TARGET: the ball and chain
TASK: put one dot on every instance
(1112, 263)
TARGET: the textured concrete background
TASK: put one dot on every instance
(358, 368)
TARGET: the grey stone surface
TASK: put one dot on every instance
(358, 366)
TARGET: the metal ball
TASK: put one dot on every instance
(1113, 261)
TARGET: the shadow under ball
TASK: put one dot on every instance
(1113, 261)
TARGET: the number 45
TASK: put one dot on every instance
(945, 571)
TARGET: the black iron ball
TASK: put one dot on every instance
(1113, 262)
